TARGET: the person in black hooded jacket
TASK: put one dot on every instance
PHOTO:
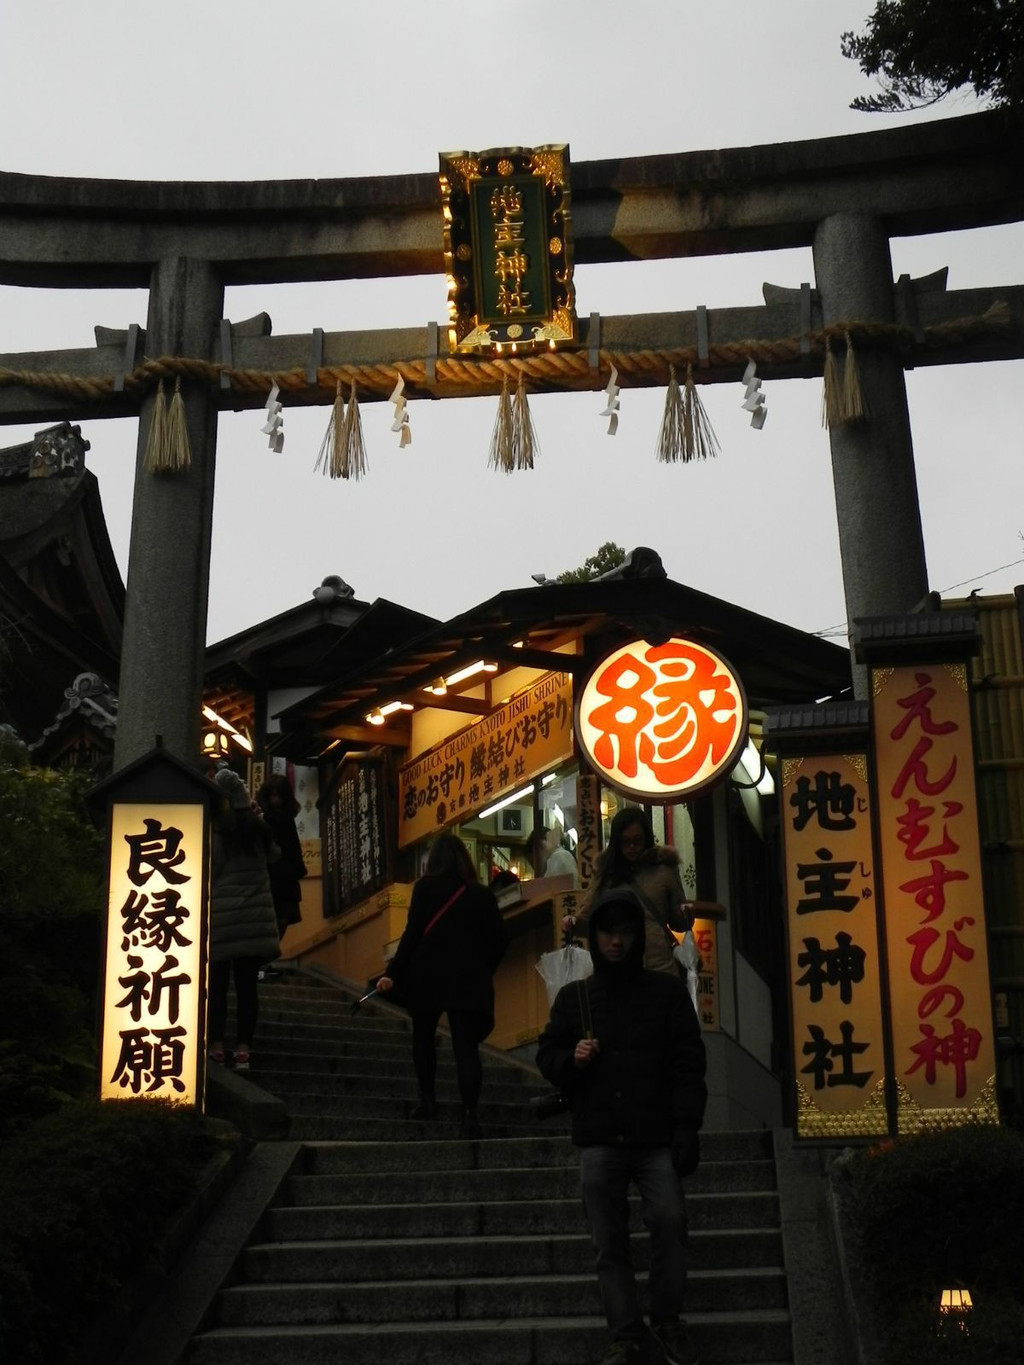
(624, 1047)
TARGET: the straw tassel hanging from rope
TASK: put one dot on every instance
(524, 437)
(156, 438)
(854, 408)
(502, 453)
(167, 446)
(179, 453)
(355, 452)
(831, 389)
(342, 452)
(331, 459)
(686, 433)
(699, 439)
(670, 438)
(842, 398)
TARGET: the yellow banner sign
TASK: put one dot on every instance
(834, 959)
(943, 1047)
(476, 767)
(154, 988)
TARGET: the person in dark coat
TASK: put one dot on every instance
(279, 807)
(624, 1047)
(444, 964)
(243, 927)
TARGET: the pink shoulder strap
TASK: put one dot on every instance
(450, 901)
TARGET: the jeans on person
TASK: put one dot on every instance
(465, 1030)
(246, 973)
(605, 1174)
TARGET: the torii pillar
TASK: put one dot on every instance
(164, 642)
(880, 538)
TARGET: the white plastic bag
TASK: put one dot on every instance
(686, 955)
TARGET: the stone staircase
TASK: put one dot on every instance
(392, 1240)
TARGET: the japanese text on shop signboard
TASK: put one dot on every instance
(154, 993)
(662, 721)
(935, 924)
(354, 848)
(834, 957)
(526, 736)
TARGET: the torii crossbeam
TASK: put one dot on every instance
(845, 197)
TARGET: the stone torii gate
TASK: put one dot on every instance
(845, 197)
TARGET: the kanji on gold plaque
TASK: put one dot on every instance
(508, 248)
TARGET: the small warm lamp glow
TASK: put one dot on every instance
(215, 744)
(955, 1307)
(380, 713)
(956, 1301)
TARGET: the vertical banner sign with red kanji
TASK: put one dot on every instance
(154, 988)
(834, 957)
(662, 722)
(943, 1046)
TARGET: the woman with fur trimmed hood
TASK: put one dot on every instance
(632, 858)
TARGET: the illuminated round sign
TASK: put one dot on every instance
(661, 722)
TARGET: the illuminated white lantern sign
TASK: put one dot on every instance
(661, 722)
(154, 977)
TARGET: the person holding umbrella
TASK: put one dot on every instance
(445, 962)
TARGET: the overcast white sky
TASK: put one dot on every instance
(249, 90)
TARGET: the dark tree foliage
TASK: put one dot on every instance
(51, 910)
(923, 50)
(609, 556)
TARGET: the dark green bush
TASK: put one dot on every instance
(934, 1211)
(51, 913)
(86, 1189)
(84, 1196)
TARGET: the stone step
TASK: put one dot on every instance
(328, 1158)
(342, 1051)
(473, 1298)
(495, 1218)
(502, 1183)
(739, 1338)
(334, 1014)
(336, 1086)
(372, 1123)
(357, 1260)
(548, 1152)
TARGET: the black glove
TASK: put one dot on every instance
(685, 1150)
